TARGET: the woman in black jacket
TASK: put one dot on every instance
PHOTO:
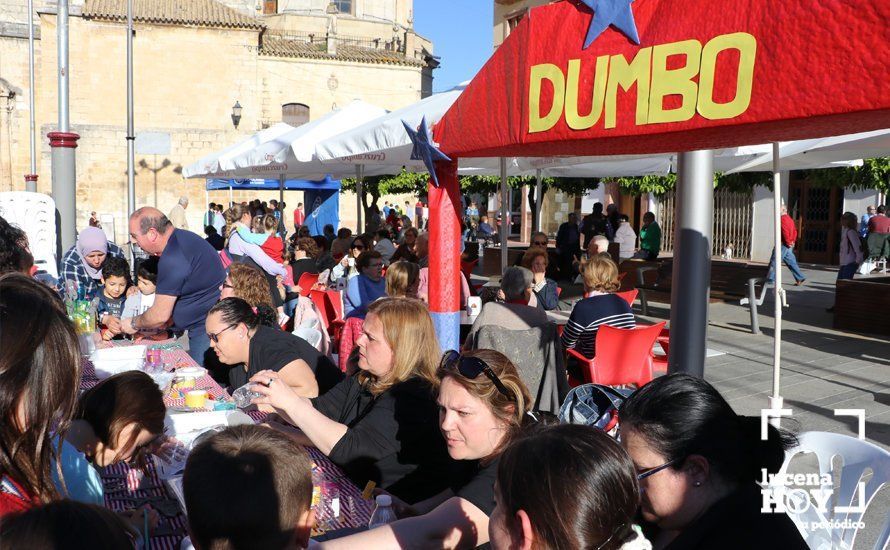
(381, 424)
(698, 464)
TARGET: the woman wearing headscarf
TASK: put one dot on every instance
(82, 264)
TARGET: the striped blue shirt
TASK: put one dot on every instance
(587, 317)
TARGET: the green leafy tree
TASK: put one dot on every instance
(873, 174)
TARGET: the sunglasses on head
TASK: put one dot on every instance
(472, 367)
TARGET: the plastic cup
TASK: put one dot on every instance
(196, 399)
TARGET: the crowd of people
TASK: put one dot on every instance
(456, 440)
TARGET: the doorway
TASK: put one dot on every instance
(816, 212)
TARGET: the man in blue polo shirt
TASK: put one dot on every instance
(189, 277)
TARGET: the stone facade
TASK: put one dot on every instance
(187, 77)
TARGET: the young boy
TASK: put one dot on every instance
(138, 303)
(115, 280)
(249, 487)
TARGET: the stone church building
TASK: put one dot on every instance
(282, 61)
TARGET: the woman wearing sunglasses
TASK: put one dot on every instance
(346, 269)
(378, 425)
(482, 405)
(587, 466)
(698, 464)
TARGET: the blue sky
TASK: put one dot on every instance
(461, 33)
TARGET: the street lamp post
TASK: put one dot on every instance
(63, 143)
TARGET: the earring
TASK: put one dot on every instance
(697, 484)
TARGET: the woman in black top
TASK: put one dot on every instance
(482, 404)
(238, 338)
(380, 424)
(698, 463)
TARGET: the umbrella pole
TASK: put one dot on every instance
(505, 220)
(359, 176)
(775, 400)
(231, 196)
(539, 199)
(281, 189)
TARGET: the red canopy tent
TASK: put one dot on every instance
(705, 75)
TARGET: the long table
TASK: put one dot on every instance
(127, 487)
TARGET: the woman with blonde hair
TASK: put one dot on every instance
(250, 284)
(483, 406)
(600, 306)
(402, 280)
(376, 424)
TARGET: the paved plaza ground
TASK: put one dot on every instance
(823, 369)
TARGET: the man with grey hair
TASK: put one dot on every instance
(190, 276)
(177, 214)
(514, 313)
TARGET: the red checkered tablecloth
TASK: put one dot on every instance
(354, 510)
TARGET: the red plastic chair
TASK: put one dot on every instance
(331, 316)
(623, 356)
(306, 282)
(629, 296)
(659, 362)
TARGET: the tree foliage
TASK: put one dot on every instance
(873, 174)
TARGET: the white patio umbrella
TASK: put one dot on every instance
(828, 152)
(292, 154)
(210, 165)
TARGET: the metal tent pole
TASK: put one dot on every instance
(691, 279)
(281, 189)
(775, 400)
(131, 137)
(359, 176)
(63, 143)
(31, 179)
(505, 220)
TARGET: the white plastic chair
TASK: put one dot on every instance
(35, 214)
(313, 336)
(826, 531)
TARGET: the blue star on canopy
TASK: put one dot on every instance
(424, 149)
(616, 13)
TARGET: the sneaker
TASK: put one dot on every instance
(800, 282)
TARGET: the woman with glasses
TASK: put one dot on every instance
(241, 341)
(40, 365)
(249, 284)
(482, 405)
(114, 421)
(367, 287)
(698, 464)
(590, 469)
(536, 260)
(346, 269)
(378, 425)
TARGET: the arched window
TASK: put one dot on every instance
(344, 6)
(295, 114)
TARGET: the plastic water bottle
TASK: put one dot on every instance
(245, 395)
(383, 512)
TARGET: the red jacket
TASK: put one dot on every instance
(13, 498)
(789, 231)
